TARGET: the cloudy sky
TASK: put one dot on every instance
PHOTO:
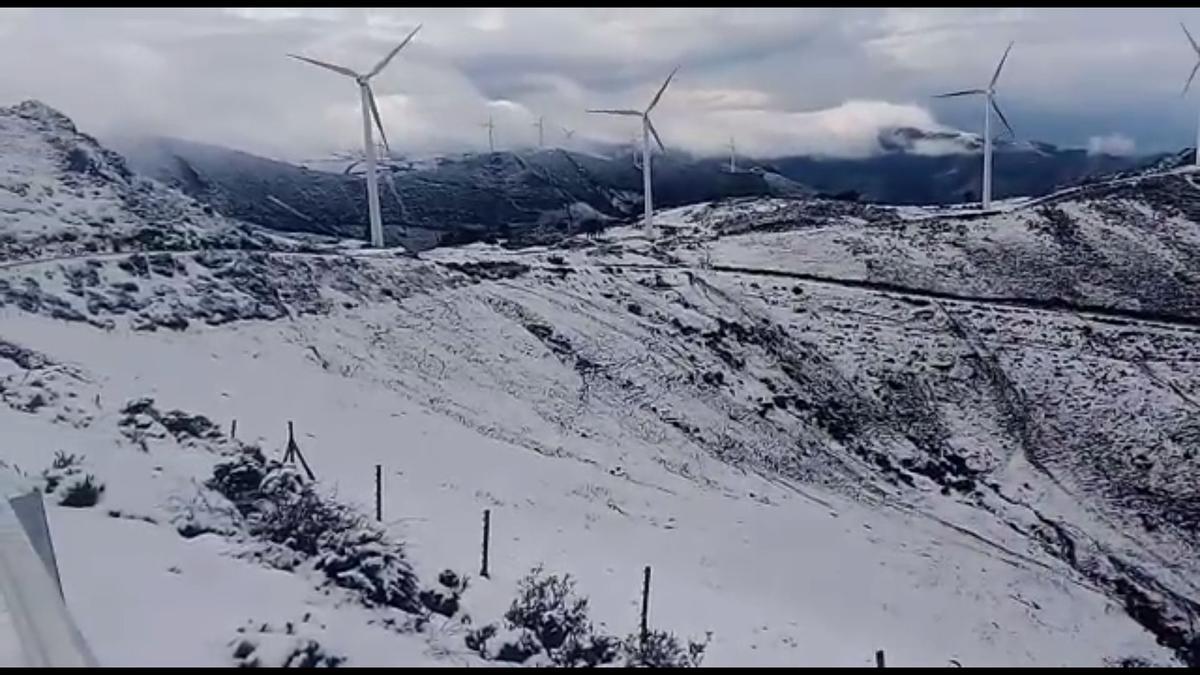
(780, 80)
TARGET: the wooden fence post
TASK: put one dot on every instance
(879, 658)
(379, 492)
(233, 429)
(487, 526)
(645, 603)
(293, 453)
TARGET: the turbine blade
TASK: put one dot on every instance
(337, 69)
(631, 113)
(378, 121)
(1000, 65)
(1190, 38)
(387, 59)
(655, 134)
(1190, 78)
(1002, 118)
(661, 90)
(965, 92)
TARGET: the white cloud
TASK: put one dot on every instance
(847, 130)
(782, 79)
(1112, 144)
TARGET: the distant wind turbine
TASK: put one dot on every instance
(989, 104)
(540, 124)
(732, 156)
(491, 127)
(1196, 48)
(647, 130)
(369, 110)
(568, 133)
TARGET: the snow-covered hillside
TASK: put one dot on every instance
(815, 467)
(61, 193)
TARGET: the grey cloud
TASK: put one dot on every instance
(783, 80)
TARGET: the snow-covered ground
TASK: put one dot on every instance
(813, 470)
(778, 576)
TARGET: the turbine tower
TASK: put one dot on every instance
(540, 124)
(989, 104)
(1196, 48)
(491, 127)
(369, 110)
(732, 156)
(647, 130)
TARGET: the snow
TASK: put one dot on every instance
(793, 581)
(672, 399)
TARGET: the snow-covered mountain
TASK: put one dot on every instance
(61, 193)
(829, 428)
(449, 199)
(538, 195)
(924, 167)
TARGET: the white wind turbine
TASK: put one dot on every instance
(732, 156)
(369, 110)
(491, 127)
(989, 104)
(541, 127)
(647, 130)
(1196, 48)
(568, 133)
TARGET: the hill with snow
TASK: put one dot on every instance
(829, 429)
(533, 194)
(541, 195)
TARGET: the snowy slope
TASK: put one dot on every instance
(598, 487)
(814, 469)
(61, 193)
(526, 193)
(1132, 244)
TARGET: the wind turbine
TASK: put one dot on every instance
(1196, 48)
(540, 124)
(989, 104)
(732, 156)
(568, 133)
(647, 130)
(369, 109)
(491, 127)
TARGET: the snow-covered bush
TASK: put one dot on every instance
(548, 622)
(548, 607)
(445, 602)
(64, 461)
(272, 649)
(278, 506)
(81, 492)
(65, 478)
(661, 649)
(547, 617)
(141, 420)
